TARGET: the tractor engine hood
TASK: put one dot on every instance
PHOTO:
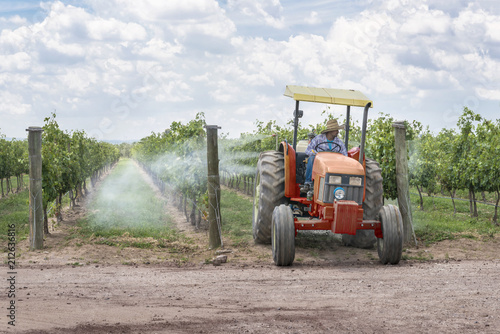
(336, 163)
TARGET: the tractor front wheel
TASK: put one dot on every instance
(269, 192)
(283, 236)
(390, 247)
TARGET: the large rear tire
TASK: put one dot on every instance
(269, 192)
(283, 236)
(374, 200)
(390, 247)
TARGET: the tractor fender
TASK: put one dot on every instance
(291, 187)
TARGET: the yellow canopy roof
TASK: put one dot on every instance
(345, 97)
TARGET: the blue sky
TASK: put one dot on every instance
(119, 69)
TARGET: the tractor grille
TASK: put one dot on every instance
(352, 193)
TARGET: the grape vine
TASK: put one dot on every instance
(68, 160)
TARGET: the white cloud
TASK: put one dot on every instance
(9, 80)
(11, 103)
(477, 24)
(489, 94)
(111, 29)
(225, 92)
(418, 46)
(79, 80)
(266, 11)
(119, 63)
(161, 50)
(16, 20)
(426, 22)
(18, 61)
(179, 17)
(313, 18)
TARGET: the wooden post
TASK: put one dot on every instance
(35, 187)
(402, 181)
(214, 218)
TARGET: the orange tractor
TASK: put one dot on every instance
(346, 197)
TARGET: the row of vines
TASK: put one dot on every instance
(464, 160)
(176, 161)
(13, 163)
(69, 160)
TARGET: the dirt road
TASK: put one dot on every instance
(440, 297)
(73, 286)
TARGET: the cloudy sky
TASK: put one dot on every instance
(120, 69)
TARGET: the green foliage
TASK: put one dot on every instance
(446, 171)
(424, 153)
(465, 150)
(177, 157)
(380, 146)
(68, 159)
(14, 210)
(125, 150)
(467, 160)
(13, 160)
(487, 173)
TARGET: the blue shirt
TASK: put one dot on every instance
(325, 146)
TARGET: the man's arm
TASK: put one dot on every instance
(312, 145)
(343, 149)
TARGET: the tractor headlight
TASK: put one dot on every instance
(354, 181)
(335, 179)
(339, 193)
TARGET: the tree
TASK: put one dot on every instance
(380, 147)
(447, 174)
(422, 164)
(488, 160)
(464, 158)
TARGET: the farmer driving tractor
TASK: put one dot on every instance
(329, 141)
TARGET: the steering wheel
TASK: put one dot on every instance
(335, 147)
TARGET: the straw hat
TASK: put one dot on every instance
(332, 125)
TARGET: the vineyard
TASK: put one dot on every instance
(462, 161)
(69, 161)
(13, 163)
(126, 251)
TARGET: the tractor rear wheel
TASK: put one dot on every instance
(283, 236)
(374, 200)
(269, 192)
(390, 247)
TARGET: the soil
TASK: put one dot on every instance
(75, 287)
